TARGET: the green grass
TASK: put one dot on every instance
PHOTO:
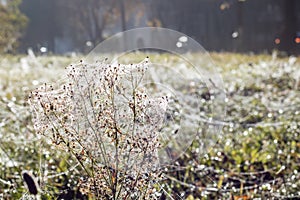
(258, 155)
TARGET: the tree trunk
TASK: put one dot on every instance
(289, 26)
(240, 22)
(123, 15)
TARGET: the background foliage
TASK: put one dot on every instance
(13, 23)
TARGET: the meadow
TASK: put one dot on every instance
(256, 156)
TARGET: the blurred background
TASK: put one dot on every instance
(63, 26)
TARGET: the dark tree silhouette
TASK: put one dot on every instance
(289, 26)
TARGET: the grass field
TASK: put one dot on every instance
(258, 155)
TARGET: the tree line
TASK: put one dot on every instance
(236, 25)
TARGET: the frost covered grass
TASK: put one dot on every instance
(258, 155)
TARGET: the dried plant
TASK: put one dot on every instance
(30, 182)
(103, 115)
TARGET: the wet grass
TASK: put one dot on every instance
(258, 155)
